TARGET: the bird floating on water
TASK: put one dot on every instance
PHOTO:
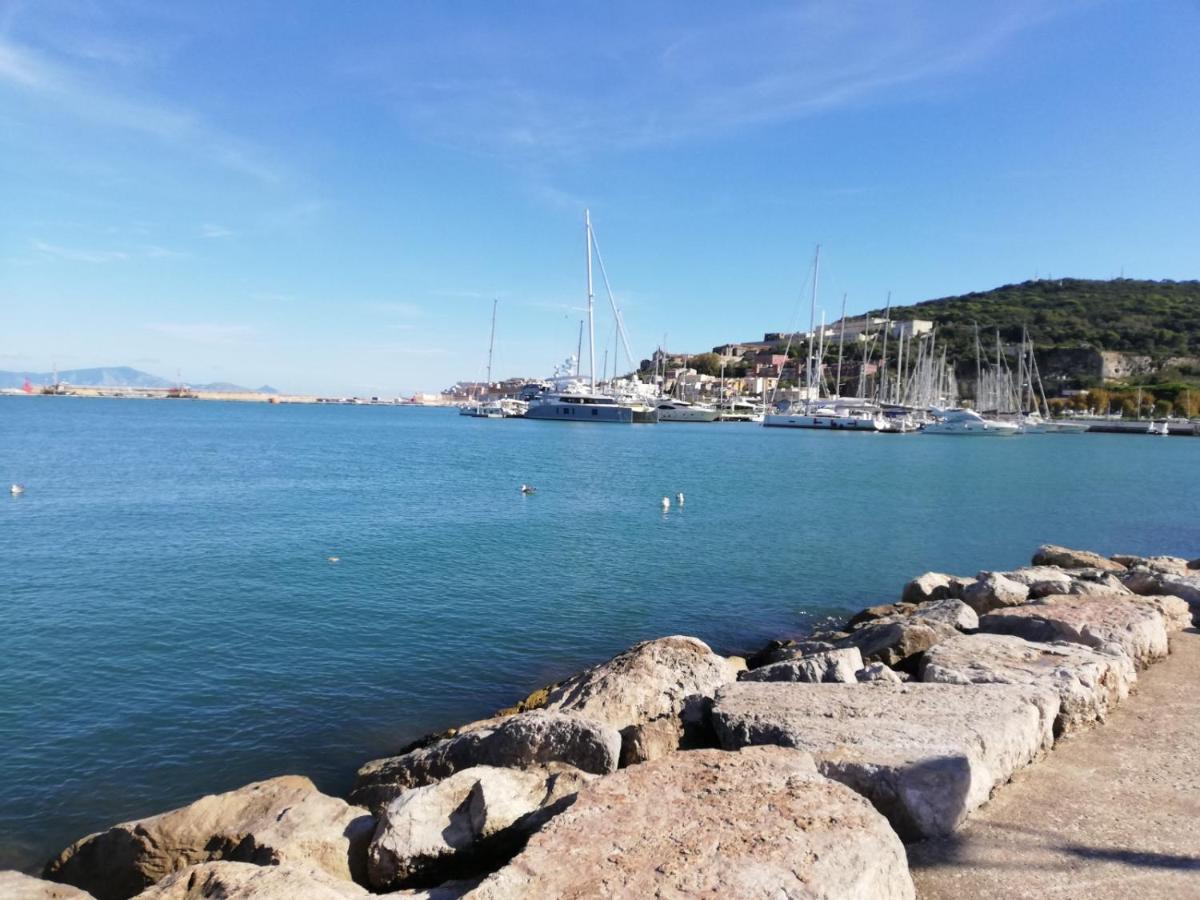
(528, 489)
(679, 498)
(17, 489)
(666, 503)
(334, 559)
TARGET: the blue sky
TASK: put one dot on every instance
(327, 197)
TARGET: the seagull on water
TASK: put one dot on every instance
(528, 489)
(666, 503)
(17, 489)
(679, 498)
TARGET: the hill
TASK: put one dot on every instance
(115, 377)
(1158, 319)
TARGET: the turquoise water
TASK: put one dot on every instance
(171, 624)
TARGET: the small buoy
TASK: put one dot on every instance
(334, 559)
(17, 489)
(679, 498)
(666, 503)
(528, 489)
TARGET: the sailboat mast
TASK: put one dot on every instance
(841, 344)
(883, 374)
(587, 223)
(812, 322)
(492, 343)
(579, 351)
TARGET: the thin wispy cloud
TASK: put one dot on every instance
(202, 332)
(83, 96)
(666, 82)
(70, 254)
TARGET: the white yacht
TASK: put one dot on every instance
(504, 408)
(968, 422)
(830, 417)
(670, 410)
(738, 409)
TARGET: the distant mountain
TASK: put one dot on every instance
(115, 377)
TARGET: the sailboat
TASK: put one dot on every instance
(570, 399)
(502, 408)
(830, 413)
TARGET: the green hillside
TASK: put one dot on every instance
(1152, 318)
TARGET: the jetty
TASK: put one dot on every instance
(1020, 733)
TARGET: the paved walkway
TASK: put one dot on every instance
(1111, 813)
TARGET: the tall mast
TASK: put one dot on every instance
(812, 323)
(587, 224)
(579, 350)
(841, 344)
(492, 343)
(887, 326)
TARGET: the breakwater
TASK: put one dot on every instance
(807, 765)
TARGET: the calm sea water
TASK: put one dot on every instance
(171, 625)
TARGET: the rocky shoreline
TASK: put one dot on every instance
(801, 770)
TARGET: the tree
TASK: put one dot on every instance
(706, 364)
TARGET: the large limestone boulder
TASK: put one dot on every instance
(1170, 565)
(755, 824)
(537, 737)
(1176, 612)
(17, 886)
(924, 754)
(282, 820)
(1042, 581)
(877, 672)
(782, 650)
(1141, 632)
(1088, 682)
(994, 590)
(880, 611)
(470, 822)
(1065, 558)
(934, 586)
(653, 680)
(1148, 582)
(830, 666)
(246, 881)
(897, 640)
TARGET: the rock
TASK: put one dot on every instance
(1065, 558)
(537, 737)
(1097, 584)
(992, 590)
(282, 820)
(1175, 610)
(1170, 565)
(469, 823)
(924, 754)
(651, 680)
(246, 881)
(737, 664)
(1089, 682)
(950, 613)
(1146, 582)
(17, 886)
(896, 642)
(830, 666)
(779, 651)
(883, 611)
(1093, 621)
(934, 586)
(1042, 581)
(877, 672)
(1194, 564)
(755, 824)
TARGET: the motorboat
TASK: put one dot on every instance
(504, 408)
(970, 423)
(737, 409)
(578, 406)
(670, 410)
(829, 417)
